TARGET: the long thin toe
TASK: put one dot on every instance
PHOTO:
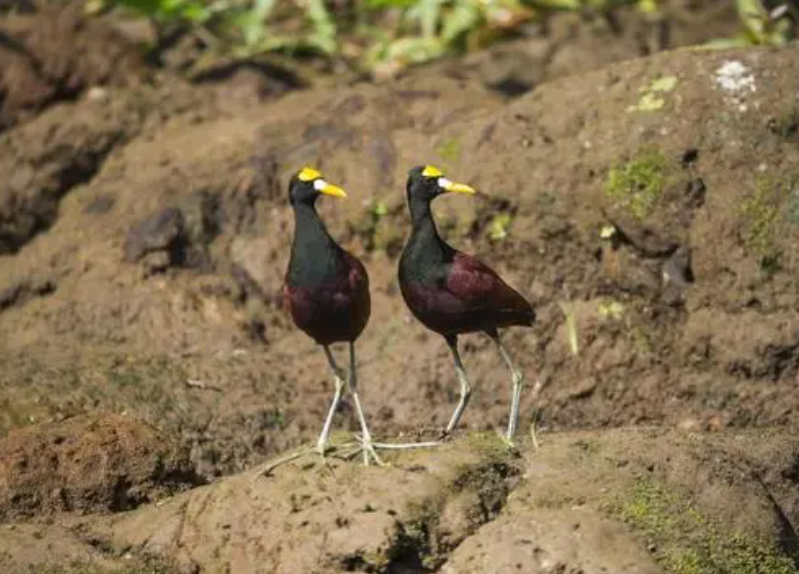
(370, 453)
(267, 468)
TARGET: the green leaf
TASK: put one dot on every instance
(648, 6)
(427, 13)
(499, 226)
(566, 5)
(378, 4)
(414, 50)
(460, 20)
(324, 27)
(754, 17)
(194, 12)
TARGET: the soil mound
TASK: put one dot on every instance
(54, 53)
(627, 500)
(88, 464)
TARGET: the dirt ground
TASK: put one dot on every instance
(647, 207)
(640, 500)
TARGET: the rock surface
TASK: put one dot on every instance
(628, 500)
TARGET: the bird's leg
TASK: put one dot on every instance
(321, 444)
(366, 437)
(518, 383)
(466, 389)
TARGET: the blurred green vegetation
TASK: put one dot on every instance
(384, 36)
(762, 26)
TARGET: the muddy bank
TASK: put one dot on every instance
(88, 464)
(645, 500)
(685, 314)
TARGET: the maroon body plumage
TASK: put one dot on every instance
(469, 297)
(333, 311)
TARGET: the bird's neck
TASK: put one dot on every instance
(425, 247)
(314, 254)
(422, 219)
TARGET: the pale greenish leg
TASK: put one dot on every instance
(518, 384)
(365, 444)
(366, 436)
(321, 444)
(466, 389)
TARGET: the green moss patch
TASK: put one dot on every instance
(769, 213)
(637, 186)
(449, 150)
(686, 542)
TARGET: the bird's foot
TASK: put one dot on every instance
(367, 449)
(346, 451)
(267, 468)
(507, 441)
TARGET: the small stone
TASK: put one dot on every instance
(159, 232)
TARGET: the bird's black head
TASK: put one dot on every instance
(427, 182)
(307, 184)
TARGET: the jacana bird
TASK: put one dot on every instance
(326, 292)
(452, 293)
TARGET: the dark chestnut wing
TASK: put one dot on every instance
(358, 281)
(481, 289)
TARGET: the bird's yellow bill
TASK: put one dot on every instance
(322, 186)
(452, 187)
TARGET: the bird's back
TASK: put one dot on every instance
(451, 292)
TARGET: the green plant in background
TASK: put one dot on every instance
(385, 36)
(761, 27)
(161, 11)
(646, 6)
(498, 230)
(637, 185)
(238, 27)
(428, 29)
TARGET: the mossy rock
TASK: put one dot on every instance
(637, 185)
(688, 542)
(770, 218)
